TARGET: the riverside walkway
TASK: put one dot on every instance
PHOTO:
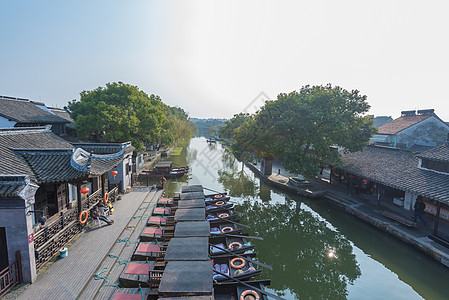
(97, 251)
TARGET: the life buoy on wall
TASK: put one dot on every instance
(84, 215)
(163, 180)
(106, 198)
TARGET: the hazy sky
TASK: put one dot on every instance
(213, 58)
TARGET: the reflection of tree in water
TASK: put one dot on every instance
(237, 182)
(299, 248)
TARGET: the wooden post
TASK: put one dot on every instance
(61, 214)
(437, 221)
(103, 192)
(78, 195)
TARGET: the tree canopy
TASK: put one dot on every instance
(121, 112)
(301, 127)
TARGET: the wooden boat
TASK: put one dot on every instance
(210, 200)
(219, 231)
(149, 233)
(139, 273)
(165, 169)
(222, 216)
(235, 291)
(233, 244)
(149, 250)
(219, 208)
(134, 294)
(165, 202)
(236, 267)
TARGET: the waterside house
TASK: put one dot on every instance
(17, 112)
(398, 177)
(41, 179)
(416, 130)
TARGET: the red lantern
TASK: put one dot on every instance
(84, 190)
(114, 173)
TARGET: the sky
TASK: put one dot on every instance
(218, 58)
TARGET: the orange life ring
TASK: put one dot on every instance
(227, 229)
(219, 203)
(106, 198)
(218, 196)
(223, 215)
(242, 262)
(249, 292)
(231, 245)
(163, 179)
(82, 219)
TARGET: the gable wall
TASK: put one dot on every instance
(429, 132)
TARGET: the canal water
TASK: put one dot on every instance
(317, 251)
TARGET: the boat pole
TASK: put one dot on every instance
(250, 286)
(213, 190)
(241, 236)
(233, 222)
(245, 258)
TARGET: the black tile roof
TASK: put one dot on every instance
(48, 158)
(10, 190)
(12, 162)
(440, 153)
(62, 113)
(52, 165)
(24, 111)
(397, 169)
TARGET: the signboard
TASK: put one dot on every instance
(30, 238)
(432, 209)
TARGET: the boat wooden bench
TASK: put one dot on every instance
(400, 219)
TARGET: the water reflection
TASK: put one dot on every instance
(297, 245)
(316, 251)
(308, 258)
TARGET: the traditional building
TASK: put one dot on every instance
(416, 130)
(399, 177)
(381, 120)
(17, 112)
(41, 178)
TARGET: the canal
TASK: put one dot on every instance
(317, 251)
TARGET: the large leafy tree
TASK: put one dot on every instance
(301, 127)
(121, 112)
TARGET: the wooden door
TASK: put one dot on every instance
(3, 249)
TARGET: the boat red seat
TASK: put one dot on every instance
(153, 231)
(138, 269)
(157, 221)
(123, 296)
(149, 248)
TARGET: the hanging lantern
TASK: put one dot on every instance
(114, 173)
(84, 190)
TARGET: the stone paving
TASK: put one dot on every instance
(73, 276)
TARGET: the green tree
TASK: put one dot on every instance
(227, 131)
(301, 127)
(213, 131)
(121, 112)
